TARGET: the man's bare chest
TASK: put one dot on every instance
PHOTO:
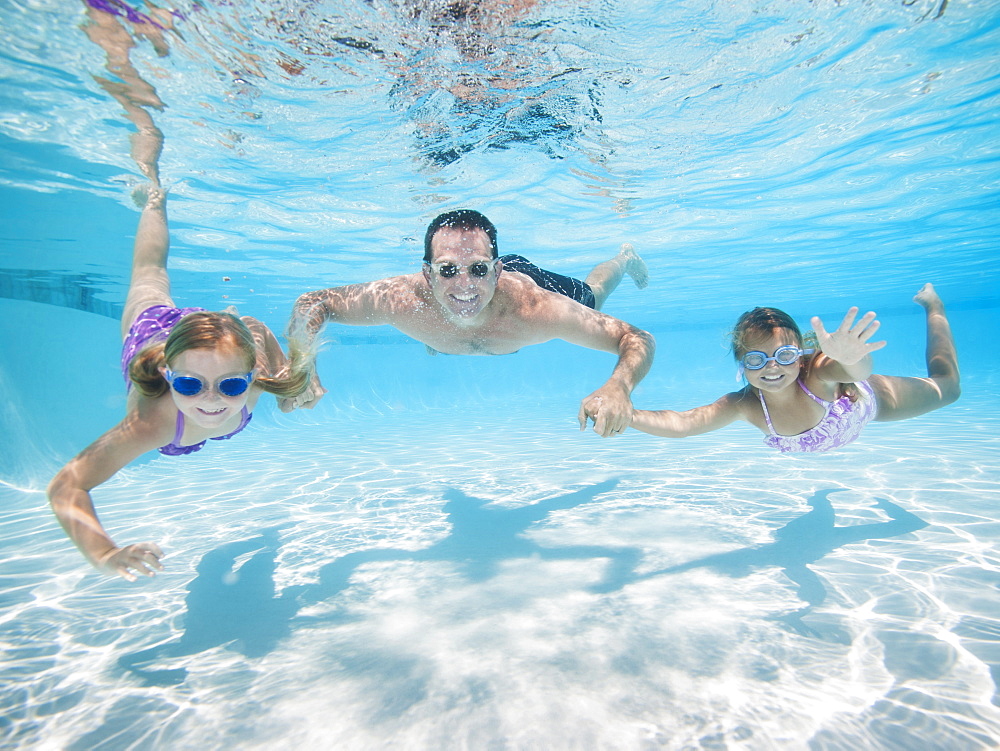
(446, 337)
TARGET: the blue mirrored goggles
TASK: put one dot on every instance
(786, 355)
(191, 386)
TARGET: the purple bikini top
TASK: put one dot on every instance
(175, 449)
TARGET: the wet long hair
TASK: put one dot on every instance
(211, 330)
(464, 219)
(761, 322)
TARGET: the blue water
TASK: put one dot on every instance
(436, 557)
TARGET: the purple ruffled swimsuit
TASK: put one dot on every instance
(842, 424)
(152, 325)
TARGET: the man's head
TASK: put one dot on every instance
(463, 219)
(461, 265)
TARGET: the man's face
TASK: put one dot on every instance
(456, 275)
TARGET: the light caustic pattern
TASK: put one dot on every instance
(436, 586)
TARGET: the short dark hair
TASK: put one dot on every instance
(464, 219)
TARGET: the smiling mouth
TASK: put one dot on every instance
(218, 411)
(464, 305)
(772, 379)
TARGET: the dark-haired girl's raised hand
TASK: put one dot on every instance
(848, 344)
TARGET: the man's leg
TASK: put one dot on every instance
(600, 283)
(606, 276)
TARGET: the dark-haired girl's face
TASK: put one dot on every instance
(772, 377)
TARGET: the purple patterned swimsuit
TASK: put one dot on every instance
(842, 424)
(152, 325)
(122, 10)
(174, 448)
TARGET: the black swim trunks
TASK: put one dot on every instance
(572, 288)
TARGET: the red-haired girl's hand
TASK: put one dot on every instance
(141, 558)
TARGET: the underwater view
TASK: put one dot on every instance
(451, 534)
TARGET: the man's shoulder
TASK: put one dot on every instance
(521, 292)
(526, 299)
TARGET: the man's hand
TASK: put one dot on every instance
(610, 408)
(306, 400)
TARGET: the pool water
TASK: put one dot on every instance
(436, 556)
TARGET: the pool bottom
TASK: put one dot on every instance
(405, 580)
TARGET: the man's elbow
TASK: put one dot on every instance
(309, 310)
(640, 341)
(303, 304)
(58, 492)
(52, 492)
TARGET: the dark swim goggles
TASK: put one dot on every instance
(786, 355)
(448, 270)
(191, 386)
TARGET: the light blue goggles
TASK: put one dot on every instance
(786, 355)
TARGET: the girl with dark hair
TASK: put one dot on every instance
(817, 395)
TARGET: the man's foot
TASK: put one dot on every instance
(635, 267)
(928, 298)
(148, 196)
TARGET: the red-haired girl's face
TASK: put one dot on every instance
(210, 408)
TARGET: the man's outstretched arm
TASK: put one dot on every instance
(368, 304)
(610, 407)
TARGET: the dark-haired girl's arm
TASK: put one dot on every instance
(670, 424)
